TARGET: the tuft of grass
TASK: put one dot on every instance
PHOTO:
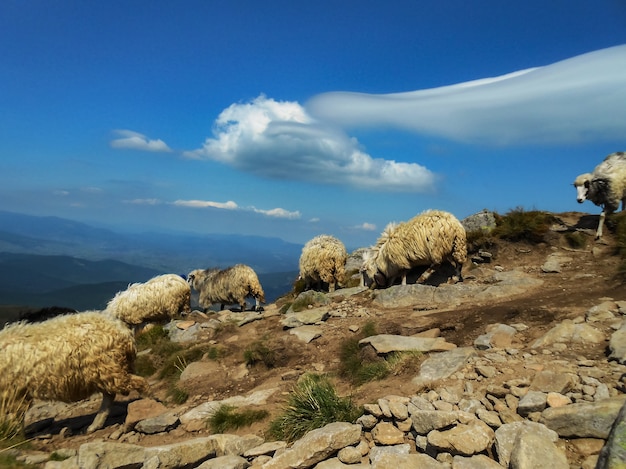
(356, 368)
(312, 404)
(13, 406)
(576, 239)
(148, 338)
(177, 395)
(259, 352)
(229, 418)
(522, 225)
(176, 362)
(302, 303)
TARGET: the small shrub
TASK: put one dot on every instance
(576, 239)
(229, 418)
(353, 366)
(521, 225)
(259, 352)
(176, 363)
(146, 339)
(312, 404)
(177, 395)
(303, 302)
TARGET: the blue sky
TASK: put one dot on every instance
(293, 119)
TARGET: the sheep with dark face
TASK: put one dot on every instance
(605, 187)
(68, 358)
(227, 286)
(428, 239)
(323, 259)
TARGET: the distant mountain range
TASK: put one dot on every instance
(50, 261)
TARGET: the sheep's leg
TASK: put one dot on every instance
(103, 413)
(331, 287)
(403, 278)
(600, 225)
(457, 277)
(427, 273)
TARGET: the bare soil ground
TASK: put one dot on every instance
(585, 280)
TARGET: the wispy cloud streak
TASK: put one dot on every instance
(575, 100)
(130, 140)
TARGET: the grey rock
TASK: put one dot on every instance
(442, 365)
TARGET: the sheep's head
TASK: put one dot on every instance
(194, 278)
(582, 184)
(372, 277)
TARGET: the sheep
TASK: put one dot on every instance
(428, 239)
(68, 358)
(605, 187)
(160, 298)
(227, 286)
(323, 259)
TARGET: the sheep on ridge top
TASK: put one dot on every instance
(159, 299)
(68, 358)
(428, 239)
(228, 286)
(605, 187)
(323, 259)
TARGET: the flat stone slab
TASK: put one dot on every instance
(387, 343)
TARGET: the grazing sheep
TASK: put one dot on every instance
(428, 239)
(605, 187)
(323, 259)
(227, 286)
(159, 299)
(68, 358)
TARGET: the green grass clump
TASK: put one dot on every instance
(150, 337)
(259, 352)
(522, 225)
(353, 366)
(576, 239)
(229, 418)
(312, 404)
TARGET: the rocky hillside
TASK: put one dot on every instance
(519, 366)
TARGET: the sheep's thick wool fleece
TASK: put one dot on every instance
(323, 258)
(227, 286)
(428, 238)
(68, 358)
(159, 299)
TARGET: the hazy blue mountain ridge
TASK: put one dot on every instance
(49, 261)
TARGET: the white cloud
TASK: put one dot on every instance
(280, 140)
(230, 205)
(130, 140)
(366, 227)
(579, 99)
(279, 213)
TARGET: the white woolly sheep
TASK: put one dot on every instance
(323, 259)
(68, 358)
(228, 286)
(159, 299)
(428, 239)
(605, 187)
